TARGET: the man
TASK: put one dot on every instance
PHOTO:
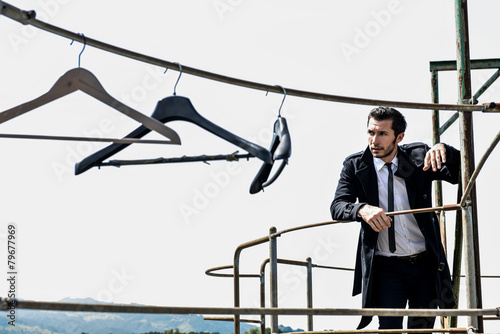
(399, 259)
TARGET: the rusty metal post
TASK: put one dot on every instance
(438, 186)
(273, 276)
(473, 282)
(470, 275)
(436, 138)
(263, 295)
(309, 294)
(457, 256)
(236, 278)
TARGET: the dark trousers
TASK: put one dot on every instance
(397, 282)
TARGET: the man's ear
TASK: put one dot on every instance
(400, 137)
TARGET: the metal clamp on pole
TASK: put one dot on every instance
(16, 14)
(491, 107)
(471, 330)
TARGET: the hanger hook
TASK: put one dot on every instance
(84, 45)
(180, 73)
(284, 97)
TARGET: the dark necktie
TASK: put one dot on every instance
(390, 206)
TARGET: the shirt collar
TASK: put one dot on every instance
(379, 163)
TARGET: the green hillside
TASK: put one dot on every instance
(59, 322)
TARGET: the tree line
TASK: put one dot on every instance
(176, 331)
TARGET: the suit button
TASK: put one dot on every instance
(425, 196)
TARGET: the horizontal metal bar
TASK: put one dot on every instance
(293, 262)
(448, 207)
(211, 271)
(484, 276)
(88, 139)
(330, 267)
(7, 304)
(433, 330)
(232, 319)
(475, 64)
(29, 17)
(305, 264)
(202, 158)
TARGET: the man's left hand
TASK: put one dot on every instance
(435, 157)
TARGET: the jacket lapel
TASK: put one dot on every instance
(368, 177)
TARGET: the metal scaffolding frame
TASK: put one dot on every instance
(438, 130)
(466, 233)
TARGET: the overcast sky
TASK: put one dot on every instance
(146, 234)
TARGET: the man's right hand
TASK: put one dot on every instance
(375, 217)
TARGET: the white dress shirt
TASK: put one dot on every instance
(409, 238)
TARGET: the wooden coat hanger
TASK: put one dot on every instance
(83, 80)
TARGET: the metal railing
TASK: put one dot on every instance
(309, 290)
(273, 261)
(7, 304)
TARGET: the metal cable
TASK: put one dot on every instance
(29, 17)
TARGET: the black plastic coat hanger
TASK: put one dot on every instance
(281, 149)
(82, 79)
(175, 108)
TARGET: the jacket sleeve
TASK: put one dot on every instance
(450, 171)
(453, 165)
(344, 206)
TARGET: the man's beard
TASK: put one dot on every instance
(385, 152)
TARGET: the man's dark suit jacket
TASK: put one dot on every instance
(358, 186)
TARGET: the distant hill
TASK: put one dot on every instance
(59, 322)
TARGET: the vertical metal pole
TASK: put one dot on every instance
(236, 278)
(263, 296)
(436, 135)
(457, 256)
(309, 294)
(273, 276)
(470, 280)
(438, 186)
(467, 153)
(436, 138)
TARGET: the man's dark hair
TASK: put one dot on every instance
(386, 113)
